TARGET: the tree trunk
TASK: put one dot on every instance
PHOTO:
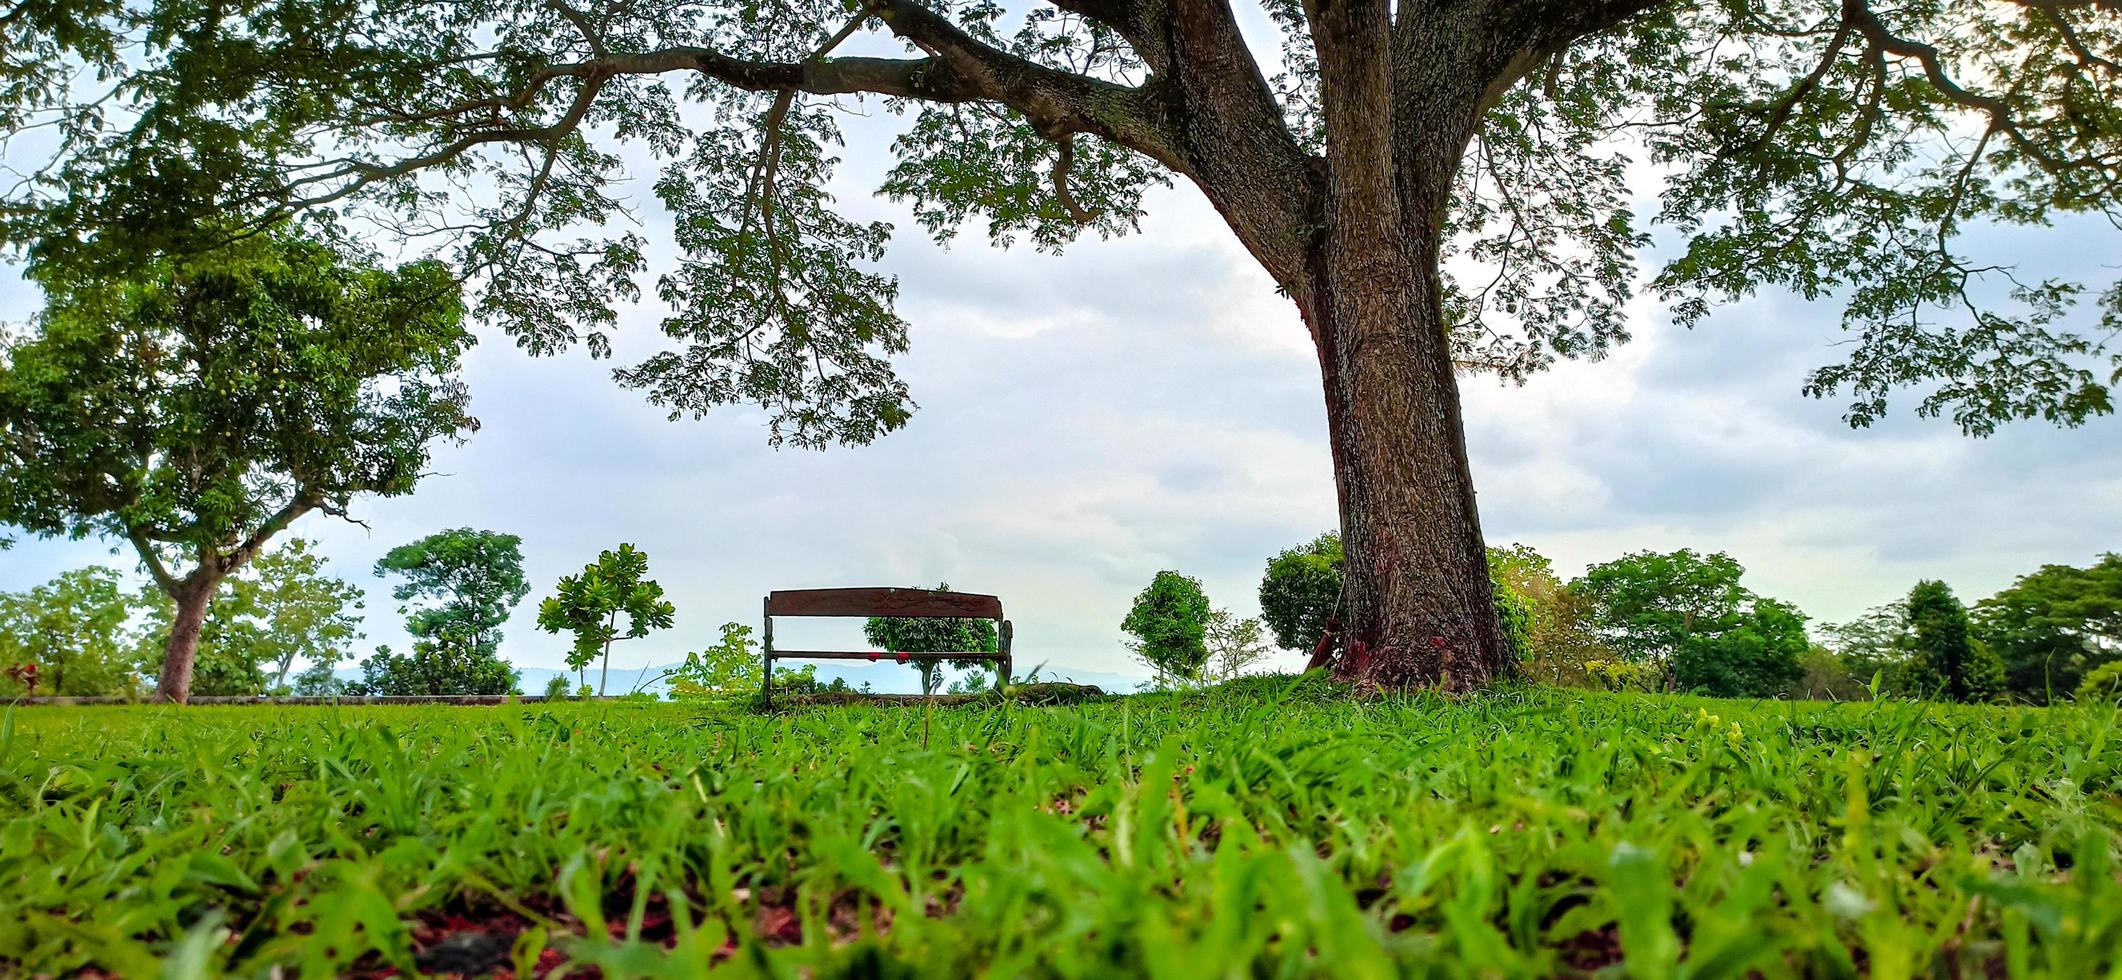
(1419, 609)
(192, 597)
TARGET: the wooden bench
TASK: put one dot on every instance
(891, 603)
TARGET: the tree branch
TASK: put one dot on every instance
(155, 568)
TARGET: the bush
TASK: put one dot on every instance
(2103, 684)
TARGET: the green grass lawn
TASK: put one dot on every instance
(1256, 829)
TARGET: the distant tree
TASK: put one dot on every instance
(2054, 627)
(319, 680)
(459, 586)
(1824, 675)
(1169, 622)
(556, 688)
(1558, 637)
(1234, 644)
(1943, 659)
(1300, 593)
(196, 407)
(72, 630)
(1689, 615)
(435, 667)
(303, 613)
(2102, 684)
(1874, 646)
(910, 635)
(1756, 656)
(589, 604)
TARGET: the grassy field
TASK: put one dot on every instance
(1265, 828)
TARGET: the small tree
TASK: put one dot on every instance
(590, 603)
(1234, 644)
(925, 635)
(1169, 622)
(459, 586)
(1943, 659)
(730, 671)
(69, 633)
(198, 406)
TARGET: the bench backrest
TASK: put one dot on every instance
(892, 604)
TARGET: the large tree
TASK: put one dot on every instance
(2055, 626)
(1436, 185)
(196, 406)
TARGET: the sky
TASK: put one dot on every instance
(1149, 403)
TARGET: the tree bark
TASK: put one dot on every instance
(1419, 609)
(174, 685)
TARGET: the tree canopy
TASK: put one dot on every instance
(1689, 614)
(590, 602)
(2055, 626)
(1169, 622)
(459, 587)
(71, 631)
(1834, 148)
(195, 405)
(1437, 185)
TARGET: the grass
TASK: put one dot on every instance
(1266, 828)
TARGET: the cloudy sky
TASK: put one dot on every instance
(1149, 403)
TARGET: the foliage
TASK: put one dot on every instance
(2102, 684)
(1829, 676)
(434, 668)
(72, 629)
(195, 406)
(303, 614)
(1262, 828)
(1558, 639)
(2054, 627)
(1514, 617)
(556, 688)
(1833, 151)
(1622, 675)
(459, 585)
(469, 580)
(318, 680)
(589, 604)
(900, 634)
(1689, 614)
(1943, 659)
(1233, 644)
(726, 671)
(1169, 621)
(1874, 644)
(1302, 591)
